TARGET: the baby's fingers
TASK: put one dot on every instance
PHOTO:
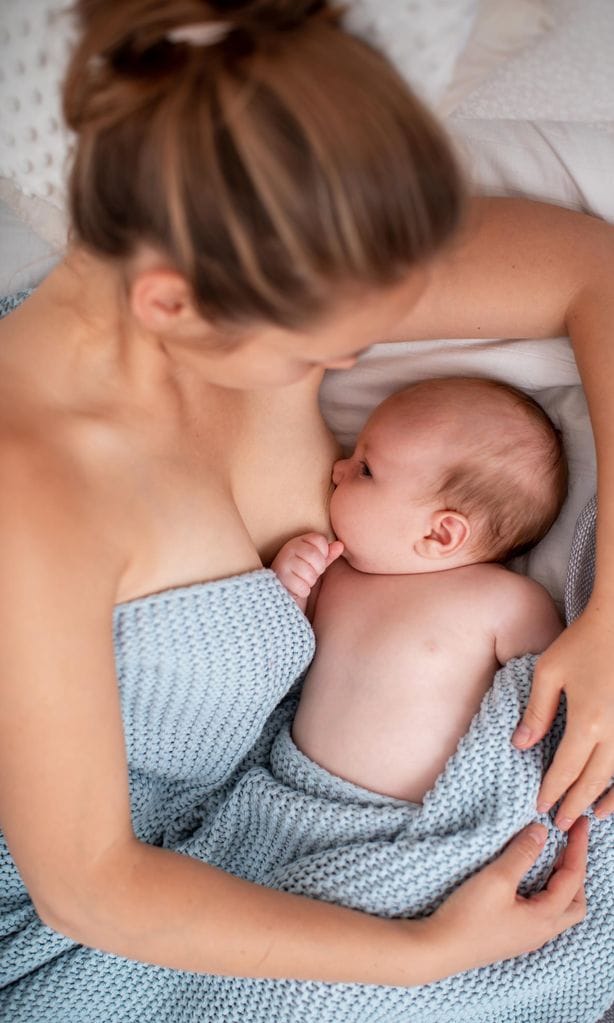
(335, 550)
(309, 561)
(314, 542)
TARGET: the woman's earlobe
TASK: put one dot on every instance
(160, 299)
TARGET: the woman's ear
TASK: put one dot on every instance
(450, 531)
(162, 301)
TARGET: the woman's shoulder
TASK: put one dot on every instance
(51, 516)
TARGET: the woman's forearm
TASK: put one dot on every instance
(161, 907)
(591, 327)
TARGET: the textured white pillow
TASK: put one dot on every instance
(501, 30)
(34, 40)
(424, 38)
(568, 75)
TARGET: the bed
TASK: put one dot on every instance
(527, 90)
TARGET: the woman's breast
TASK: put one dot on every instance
(284, 457)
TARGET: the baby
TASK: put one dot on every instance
(448, 479)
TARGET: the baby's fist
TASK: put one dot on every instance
(302, 560)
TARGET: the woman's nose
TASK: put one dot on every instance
(339, 470)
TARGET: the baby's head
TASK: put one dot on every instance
(448, 473)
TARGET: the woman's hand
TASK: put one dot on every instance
(486, 921)
(581, 664)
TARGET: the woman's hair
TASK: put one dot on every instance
(276, 163)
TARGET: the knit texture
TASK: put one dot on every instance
(10, 302)
(201, 669)
(581, 569)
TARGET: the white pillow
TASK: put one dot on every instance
(501, 30)
(424, 39)
(34, 41)
(25, 258)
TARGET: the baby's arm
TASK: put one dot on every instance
(528, 620)
(301, 563)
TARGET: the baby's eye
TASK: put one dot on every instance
(364, 470)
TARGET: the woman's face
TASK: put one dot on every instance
(276, 357)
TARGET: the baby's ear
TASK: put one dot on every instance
(449, 533)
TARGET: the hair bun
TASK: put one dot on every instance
(274, 14)
(126, 31)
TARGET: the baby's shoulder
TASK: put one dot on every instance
(506, 591)
(520, 613)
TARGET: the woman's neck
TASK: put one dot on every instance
(77, 340)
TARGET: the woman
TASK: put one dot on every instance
(237, 230)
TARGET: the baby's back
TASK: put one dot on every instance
(402, 664)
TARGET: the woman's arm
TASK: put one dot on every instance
(519, 269)
(64, 797)
(528, 269)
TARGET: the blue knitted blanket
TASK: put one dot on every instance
(292, 825)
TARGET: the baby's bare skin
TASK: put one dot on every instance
(402, 664)
(415, 618)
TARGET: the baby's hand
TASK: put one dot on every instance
(302, 560)
(580, 663)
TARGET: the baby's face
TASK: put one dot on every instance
(383, 499)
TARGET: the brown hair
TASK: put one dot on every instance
(279, 162)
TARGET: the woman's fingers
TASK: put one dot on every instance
(606, 805)
(581, 769)
(571, 872)
(564, 894)
(594, 779)
(571, 757)
(520, 854)
(540, 710)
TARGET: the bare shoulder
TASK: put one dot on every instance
(52, 516)
(523, 616)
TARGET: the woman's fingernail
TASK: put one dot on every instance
(522, 735)
(543, 807)
(564, 823)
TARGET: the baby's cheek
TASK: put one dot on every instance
(342, 513)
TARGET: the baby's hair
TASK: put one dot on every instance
(511, 483)
(277, 163)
